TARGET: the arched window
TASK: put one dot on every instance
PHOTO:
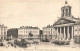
(66, 10)
(63, 11)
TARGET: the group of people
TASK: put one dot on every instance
(11, 45)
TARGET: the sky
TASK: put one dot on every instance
(40, 13)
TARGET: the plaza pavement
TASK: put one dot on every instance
(46, 46)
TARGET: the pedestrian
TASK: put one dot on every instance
(15, 46)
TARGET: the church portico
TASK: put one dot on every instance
(64, 33)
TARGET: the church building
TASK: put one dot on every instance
(67, 26)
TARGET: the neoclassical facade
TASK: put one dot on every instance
(66, 27)
(3, 32)
(25, 31)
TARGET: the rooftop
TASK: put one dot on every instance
(48, 26)
(29, 27)
(2, 26)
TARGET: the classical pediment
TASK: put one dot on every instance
(63, 21)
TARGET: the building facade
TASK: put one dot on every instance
(3, 32)
(48, 33)
(28, 32)
(12, 32)
(66, 27)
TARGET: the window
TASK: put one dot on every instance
(75, 29)
(63, 10)
(4, 33)
(66, 10)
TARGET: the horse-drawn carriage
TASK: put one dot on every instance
(20, 42)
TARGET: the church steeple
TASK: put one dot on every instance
(66, 10)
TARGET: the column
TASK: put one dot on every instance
(64, 32)
(57, 33)
(72, 41)
(72, 33)
(67, 32)
(3, 33)
(60, 33)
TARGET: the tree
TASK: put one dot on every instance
(30, 34)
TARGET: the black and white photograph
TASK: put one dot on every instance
(39, 25)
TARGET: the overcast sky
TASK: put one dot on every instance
(16, 13)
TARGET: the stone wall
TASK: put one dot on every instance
(77, 39)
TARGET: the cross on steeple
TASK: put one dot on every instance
(66, 2)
